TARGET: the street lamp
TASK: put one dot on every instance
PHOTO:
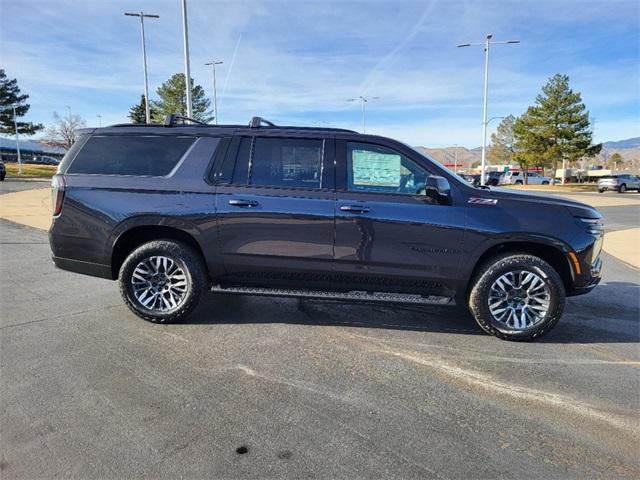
(213, 64)
(187, 69)
(142, 16)
(487, 43)
(15, 125)
(99, 120)
(363, 100)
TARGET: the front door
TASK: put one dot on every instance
(275, 211)
(390, 236)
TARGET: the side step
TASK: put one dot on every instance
(360, 296)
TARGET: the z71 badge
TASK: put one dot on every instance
(482, 201)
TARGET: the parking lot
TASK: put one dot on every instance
(256, 387)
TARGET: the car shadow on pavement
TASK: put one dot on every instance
(587, 319)
(239, 309)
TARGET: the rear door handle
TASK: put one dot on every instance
(355, 208)
(243, 203)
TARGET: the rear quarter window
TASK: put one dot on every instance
(130, 155)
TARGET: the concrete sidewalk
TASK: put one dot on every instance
(29, 207)
(33, 208)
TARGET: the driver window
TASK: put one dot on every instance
(373, 168)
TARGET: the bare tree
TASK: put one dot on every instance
(62, 133)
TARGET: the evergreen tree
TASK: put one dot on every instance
(173, 99)
(137, 114)
(9, 96)
(556, 128)
(616, 160)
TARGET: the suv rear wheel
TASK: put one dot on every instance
(623, 188)
(162, 281)
(517, 296)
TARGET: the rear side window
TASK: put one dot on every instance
(130, 155)
(287, 162)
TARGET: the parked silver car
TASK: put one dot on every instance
(619, 183)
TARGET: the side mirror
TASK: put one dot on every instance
(439, 189)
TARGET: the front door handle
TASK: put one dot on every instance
(243, 203)
(355, 208)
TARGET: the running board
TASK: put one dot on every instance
(378, 297)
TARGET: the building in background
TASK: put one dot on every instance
(31, 151)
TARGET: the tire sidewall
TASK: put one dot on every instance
(479, 305)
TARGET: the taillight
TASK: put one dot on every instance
(57, 193)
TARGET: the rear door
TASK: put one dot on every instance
(390, 236)
(275, 209)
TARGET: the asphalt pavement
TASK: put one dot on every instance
(255, 387)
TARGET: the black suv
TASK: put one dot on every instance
(176, 210)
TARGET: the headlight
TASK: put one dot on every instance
(593, 226)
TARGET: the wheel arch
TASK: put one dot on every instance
(132, 238)
(555, 255)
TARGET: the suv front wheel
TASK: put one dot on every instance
(162, 281)
(517, 296)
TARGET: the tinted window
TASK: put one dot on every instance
(379, 169)
(130, 155)
(286, 162)
(241, 166)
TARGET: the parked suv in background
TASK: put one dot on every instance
(177, 210)
(517, 178)
(619, 183)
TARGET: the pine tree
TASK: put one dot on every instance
(173, 99)
(137, 113)
(556, 128)
(10, 96)
(616, 160)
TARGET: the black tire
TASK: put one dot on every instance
(185, 258)
(518, 182)
(600, 190)
(545, 183)
(495, 267)
(623, 188)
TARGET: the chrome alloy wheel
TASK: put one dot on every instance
(159, 284)
(519, 300)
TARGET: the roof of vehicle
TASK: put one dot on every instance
(176, 124)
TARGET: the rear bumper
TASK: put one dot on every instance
(86, 268)
(615, 188)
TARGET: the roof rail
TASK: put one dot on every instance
(256, 122)
(173, 118)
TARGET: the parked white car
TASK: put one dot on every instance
(516, 178)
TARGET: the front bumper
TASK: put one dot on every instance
(593, 280)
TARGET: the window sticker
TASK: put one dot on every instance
(377, 169)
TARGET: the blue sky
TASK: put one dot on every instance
(297, 62)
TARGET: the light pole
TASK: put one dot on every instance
(455, 158)
(213, 64)
(142, 16)
(487, 43)
(15, 125)
(69, 114)
(187, 70)
(363, 101)
(99, 120)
